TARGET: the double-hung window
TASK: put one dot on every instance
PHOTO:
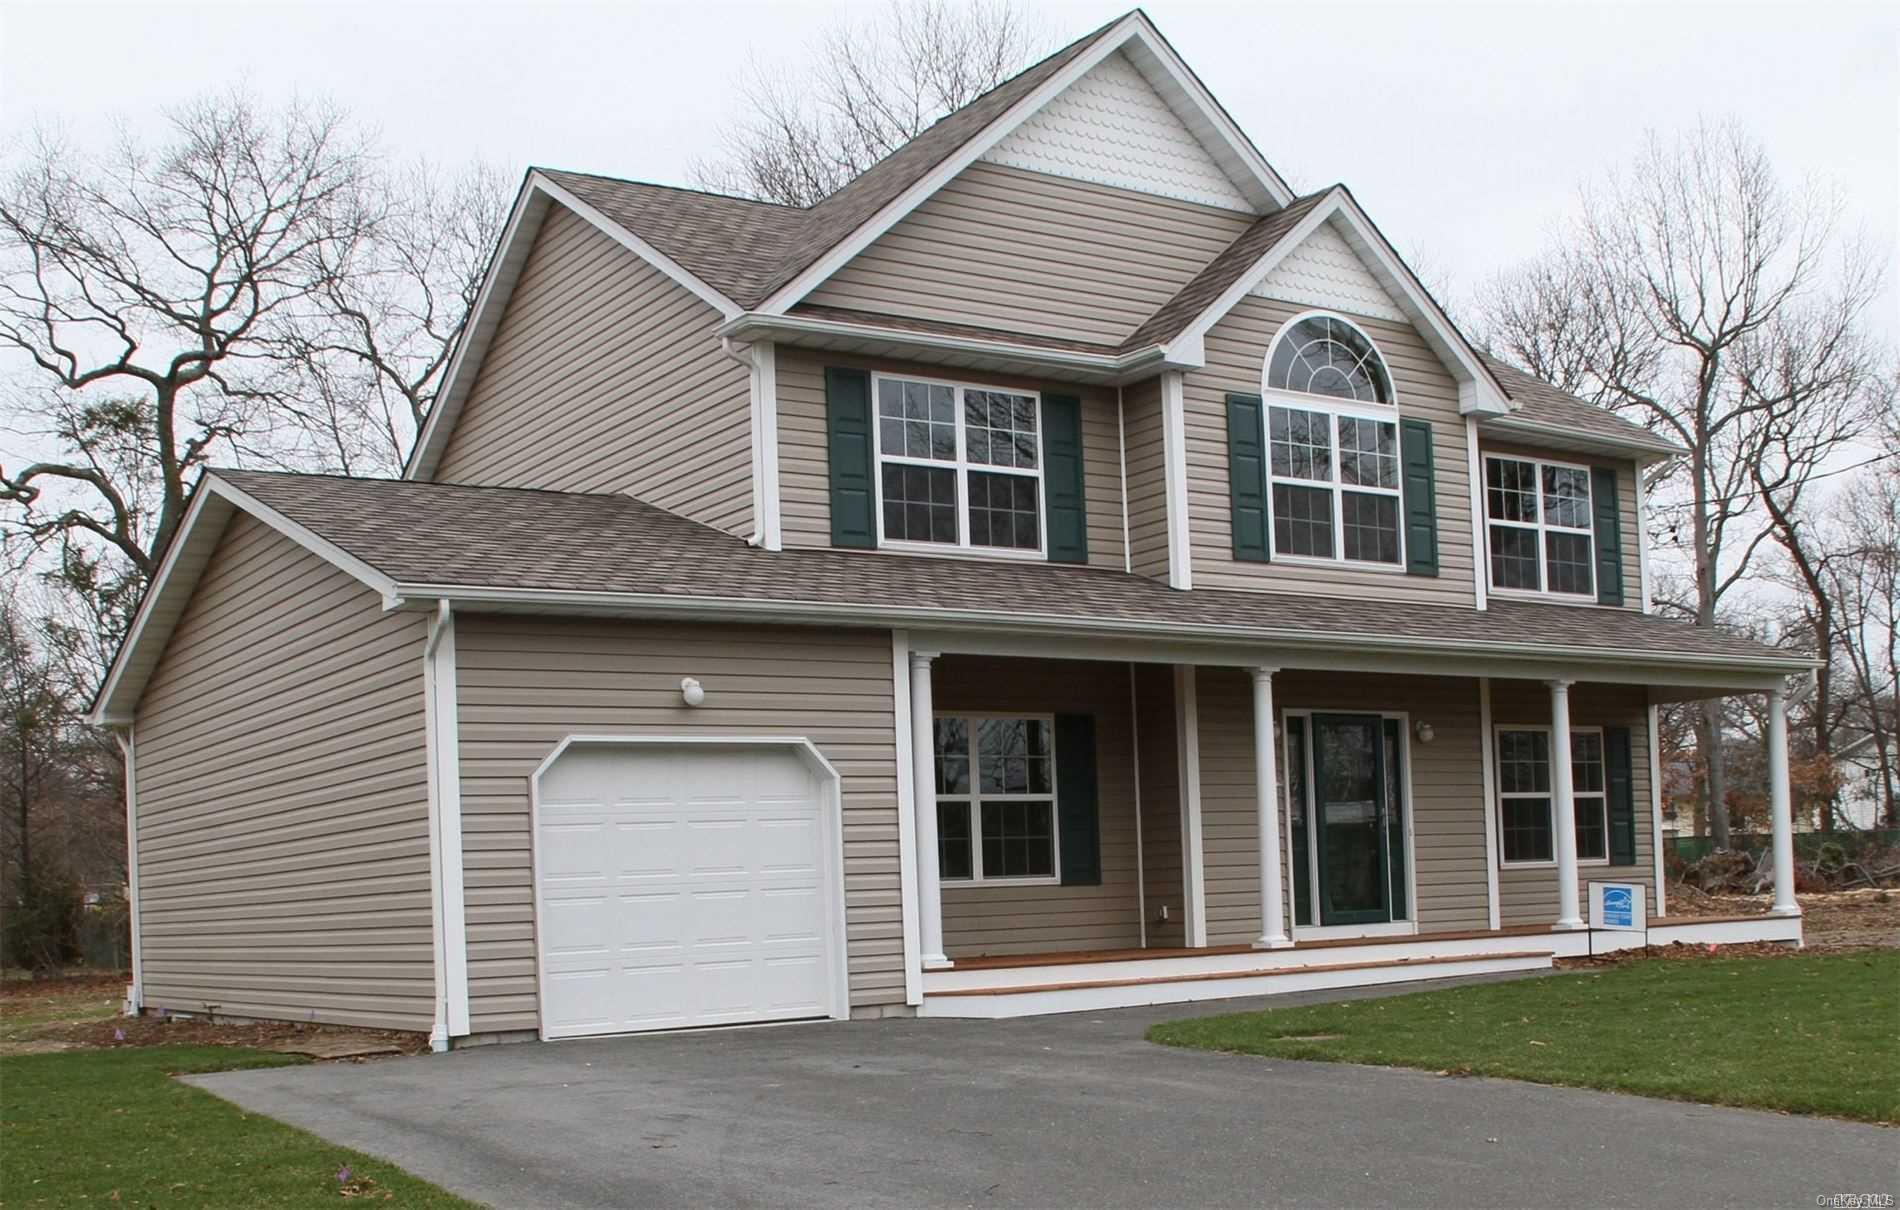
(996, 799)
(1334, 488)
(958, 466)
(1526, 827)
(1539, 526)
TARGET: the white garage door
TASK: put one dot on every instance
(682, 885)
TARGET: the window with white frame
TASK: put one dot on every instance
(1539, 526)
(1526, 831)
(996, 799)
(958, 465)
(1332, 467)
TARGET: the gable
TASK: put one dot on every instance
(1112, 128)
(1018, 251)
(1324, 271)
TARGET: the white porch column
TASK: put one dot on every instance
(1780, 806)
(1267, 813)
(1564, 807)
(923, 772)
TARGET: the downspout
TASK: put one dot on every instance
(438, 906)
(742, 353)
(135, 992)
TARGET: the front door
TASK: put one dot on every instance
(1350, 805)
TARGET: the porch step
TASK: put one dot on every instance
(1030, 999)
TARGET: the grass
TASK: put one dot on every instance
(1815, 1034)
(111, 1127)
(28, 1007)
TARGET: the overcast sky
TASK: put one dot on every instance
(1463, 129)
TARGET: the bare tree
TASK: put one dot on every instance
(1863, 585)
(873, 86)
(368, 355)
(1703, 298)
(139, 289)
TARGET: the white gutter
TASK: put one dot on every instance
(135, 992)
(1642, 451)
(754, 325)
(803, 612)
(448, 909)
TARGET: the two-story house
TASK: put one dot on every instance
(1064, 568)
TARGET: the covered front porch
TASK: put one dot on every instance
(1097, 832)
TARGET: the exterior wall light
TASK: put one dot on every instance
(692, 691)
(1424, 731)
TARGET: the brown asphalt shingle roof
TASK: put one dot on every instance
(1541, 403)
(513, 538)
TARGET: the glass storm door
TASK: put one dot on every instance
(1349, 811)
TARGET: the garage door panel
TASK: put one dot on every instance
(682, 886)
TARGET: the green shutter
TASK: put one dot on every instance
(848, 445)
(1079, 825)
(1609, 536)
(1247, 477)
(1421, 498)
(1062, 479)
(1622, 795)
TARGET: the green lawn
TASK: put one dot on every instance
(111, 1128)
(1806, 1034)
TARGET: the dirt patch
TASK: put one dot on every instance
(166, 1031)
(1832, 921)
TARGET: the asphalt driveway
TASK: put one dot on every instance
(1054, 1111)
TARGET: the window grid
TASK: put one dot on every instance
(996, 806)
(995, 455)
(1333, 484)
(1526, 809)
(1539, 526)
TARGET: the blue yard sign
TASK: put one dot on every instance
(1618, 906)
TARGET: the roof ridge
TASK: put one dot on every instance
(692, 189)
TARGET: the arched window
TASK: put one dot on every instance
(1333, 478)
(1325, 355)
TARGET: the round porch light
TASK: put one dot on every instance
(691, 691)
(1424, 731)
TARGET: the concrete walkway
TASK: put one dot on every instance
(1053, 1111)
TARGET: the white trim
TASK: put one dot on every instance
(1642, 541)
(761, 360)
(1187, 723)
(1487, 747)
(1689, 931)
(906, 820)
(445, 805)
(976, 797)
(194, 537)
(1474, 484)
(1537, 432)
(1479, 390)
(647, 252)
(1655, 812)
(1121, 454)
(1336, 487)
(996, 355)
(1174, 459)
(833, 818)
(961, 466)
(498, 285)
(923, 778)
(1268, 189)
(1197, 643)
(1408, 825)
(1542, 528)
(1269, 853)
(1498, 796)
(135, 991)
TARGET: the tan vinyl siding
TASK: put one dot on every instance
(283, 815)
(1025, 252)
(1447, 795)
(1144, 427)
(606, 376)
(1528, 894)
(1006, 919)
(1627, 520)
(1157, 752)
(523, 683)
(804, 464)
(1236, 352)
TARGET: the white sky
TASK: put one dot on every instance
(1463, 129)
